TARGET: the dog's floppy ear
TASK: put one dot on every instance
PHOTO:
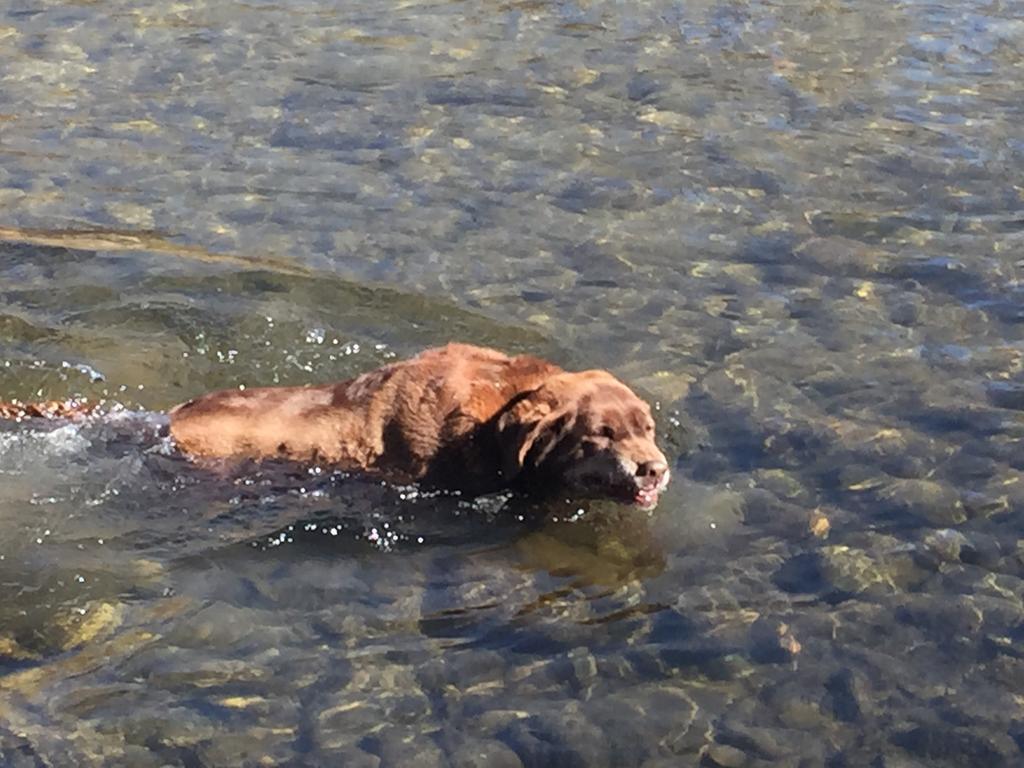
(528, 431)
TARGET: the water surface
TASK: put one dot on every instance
(795, 226)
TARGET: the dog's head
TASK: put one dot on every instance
(586, 432)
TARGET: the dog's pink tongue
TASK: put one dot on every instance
(646, 497)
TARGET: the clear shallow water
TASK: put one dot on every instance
(796, 226)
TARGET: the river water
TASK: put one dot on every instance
(796, 227)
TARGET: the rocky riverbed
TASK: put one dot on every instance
(795, 227)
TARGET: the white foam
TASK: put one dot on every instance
(25, 446)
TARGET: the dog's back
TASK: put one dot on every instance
(414, 419)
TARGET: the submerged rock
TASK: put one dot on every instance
(960, 746)
(841, 570)
(772, 641)
(726, 756)
(843, 256)
(946, 544)
(936, 503)
(851, 570)
(483, 753)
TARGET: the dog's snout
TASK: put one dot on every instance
(652, 470)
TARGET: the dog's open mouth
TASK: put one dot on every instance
(647, 498)
(640, 492)
(642, 497)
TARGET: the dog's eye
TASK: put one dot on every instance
(649, 428)
(608, 432)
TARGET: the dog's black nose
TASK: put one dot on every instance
(652, 470)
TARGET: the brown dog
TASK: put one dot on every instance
(459, 417)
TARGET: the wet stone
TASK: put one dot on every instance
(483, 753)
(17, 752)
(713, 662)
(844, 570)
(969, 464)
(984, 550)
(772, 642)
(906, 311)
(846, 696)
(177, 727)
(251, 746)
(164, 669)
(616, 668)
(558, 739)
(934, 502)
(766, 510)
(82, 626)
(797, 705)
(352, 757)
(726, 756)
(492, 721)
(11, 649)
(537, 677)
(960, 746)
(983, 505)
(784, 485)
(641, 86)
(636, 725)
(945, 544)
(858, 478)
(973, 548)
(343, 718)
(397, 749)
(1007, 395)
(221, 625)
(899, 761)
(843, 256)
(470, 668)
(584, 667)
(979, 703)
(942, 620)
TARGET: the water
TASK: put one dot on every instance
(796, 227)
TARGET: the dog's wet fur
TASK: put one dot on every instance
(457, 417)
